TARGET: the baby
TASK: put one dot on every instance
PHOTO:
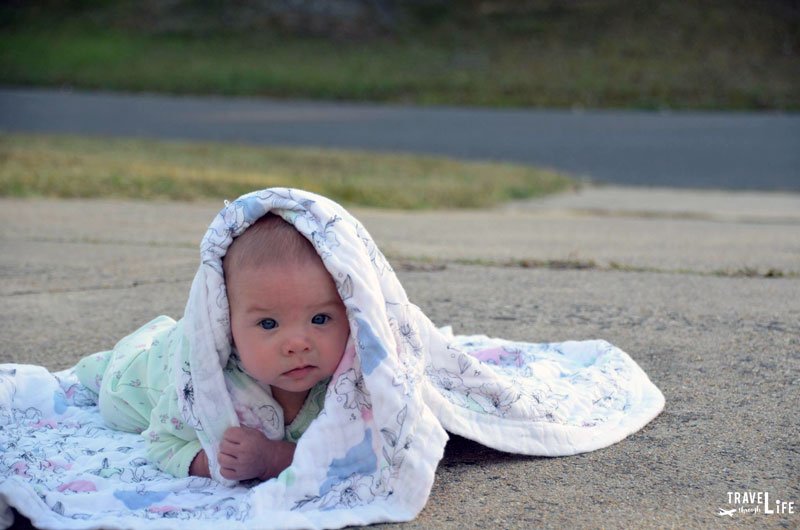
(289, 329)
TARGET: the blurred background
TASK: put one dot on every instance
(643, 54)
(691, 94)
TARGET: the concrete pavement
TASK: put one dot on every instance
(701, 288)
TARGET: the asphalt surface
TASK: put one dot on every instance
(701, 289)
(755, 151)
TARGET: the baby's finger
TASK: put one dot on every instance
(228, 473)
(234, 435)
(228, 460)
(229, 467)
(226, 448)
(233, 438)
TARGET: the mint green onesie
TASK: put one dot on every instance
(136, 393)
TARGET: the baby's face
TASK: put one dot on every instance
(289, 326)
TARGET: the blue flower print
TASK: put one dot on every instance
(370, 349)
(137, 499)
(252, 208)
(359, 460)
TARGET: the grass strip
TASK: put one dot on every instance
(600, 54)
(74, 166)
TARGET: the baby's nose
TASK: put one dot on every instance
(297, 343)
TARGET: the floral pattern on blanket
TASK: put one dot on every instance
(62, 451)
(543, 382)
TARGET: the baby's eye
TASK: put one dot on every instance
(268, 323)
(320, 319)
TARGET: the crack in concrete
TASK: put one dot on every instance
(88, 288)
(569, 264)
(687, 216)
(98, 241)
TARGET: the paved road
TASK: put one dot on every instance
(689, 283)
(697, 150)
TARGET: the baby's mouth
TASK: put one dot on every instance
(299, 372)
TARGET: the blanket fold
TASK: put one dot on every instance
(371, 454)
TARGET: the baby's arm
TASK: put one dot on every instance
(199, 466)
(172, 445)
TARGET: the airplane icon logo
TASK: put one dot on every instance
(729, 513)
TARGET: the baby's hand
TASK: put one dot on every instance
(242, 453)
(246, 453)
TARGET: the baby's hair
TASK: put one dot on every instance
(268, 241)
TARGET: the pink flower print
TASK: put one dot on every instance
(499, 356)
(163, 509)
(21, 469)
(78, 486)
(55, 465)
(178, 424)
(246, 416)
(491, 355)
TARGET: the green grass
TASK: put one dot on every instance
(598, 54)
(69, 166)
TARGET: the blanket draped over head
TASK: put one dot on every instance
(371, 454)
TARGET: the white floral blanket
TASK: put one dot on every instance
(372, 453)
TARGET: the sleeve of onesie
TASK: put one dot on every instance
(171, 444)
